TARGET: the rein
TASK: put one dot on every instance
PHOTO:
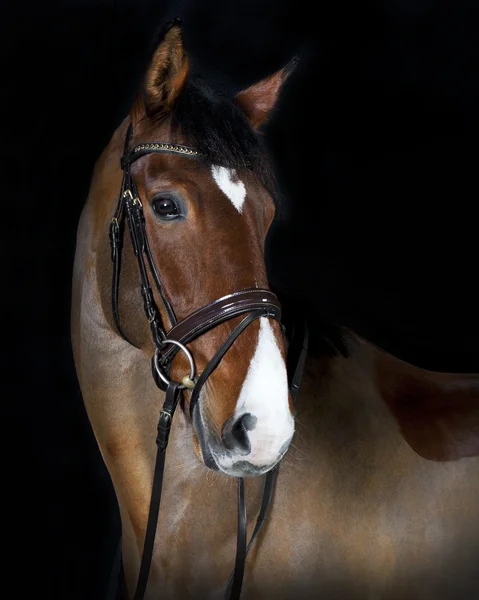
(254, 303)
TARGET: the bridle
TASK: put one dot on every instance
(253, 303)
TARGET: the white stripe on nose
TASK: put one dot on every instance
(264, 395)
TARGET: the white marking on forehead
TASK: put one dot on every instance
(265, 395)
(230, 185)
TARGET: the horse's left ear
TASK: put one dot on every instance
(166, 75)
(258, 100)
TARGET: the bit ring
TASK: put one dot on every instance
(189, 380)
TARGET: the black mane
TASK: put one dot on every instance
(217, 128)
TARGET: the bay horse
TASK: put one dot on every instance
(356, 513)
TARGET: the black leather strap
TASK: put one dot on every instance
(300, 362)
(164, 424)
(116, 242)
(241, 548)
(129, 206)
(235, 583)
(159, 287)
(269, 483)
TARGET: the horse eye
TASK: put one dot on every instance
(165, 207)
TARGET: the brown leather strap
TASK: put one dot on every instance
(221, 310)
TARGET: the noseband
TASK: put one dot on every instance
(254, 303)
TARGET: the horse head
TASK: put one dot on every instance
(205, 186)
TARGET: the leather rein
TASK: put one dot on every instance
(254, 303)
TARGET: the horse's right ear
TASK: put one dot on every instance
(165, 77)
(258, 100)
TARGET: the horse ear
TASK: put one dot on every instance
(437, 413)
(258, 100)
(166, 74)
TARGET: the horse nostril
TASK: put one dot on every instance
(235, 433)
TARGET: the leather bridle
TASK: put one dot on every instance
(253, 303)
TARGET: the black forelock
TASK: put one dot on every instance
(219, 130)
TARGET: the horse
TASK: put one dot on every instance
(158, 320)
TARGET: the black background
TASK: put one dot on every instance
(376, 145)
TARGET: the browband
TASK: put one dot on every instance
(156, 148)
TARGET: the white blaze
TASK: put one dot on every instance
(232, 187)
(265, 395)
